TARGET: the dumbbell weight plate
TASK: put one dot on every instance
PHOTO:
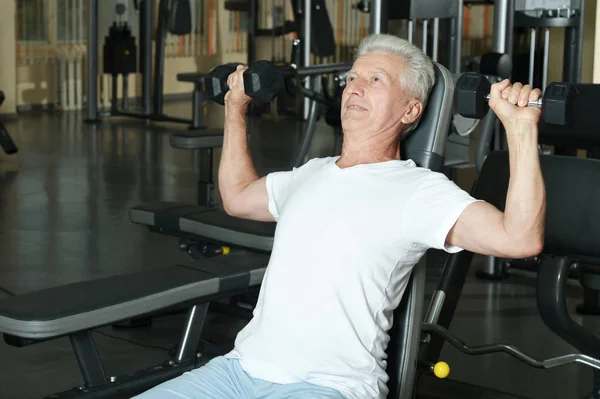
(263, 81)
(216, 82)
(471, 90)
(464, 126)
(560, 103)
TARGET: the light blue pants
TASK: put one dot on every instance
(224, 378)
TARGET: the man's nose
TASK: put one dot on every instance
(357, 86)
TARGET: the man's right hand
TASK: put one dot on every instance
(236, 96)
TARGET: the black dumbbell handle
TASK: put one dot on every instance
(537, 103)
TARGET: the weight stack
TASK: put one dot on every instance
(120, 51)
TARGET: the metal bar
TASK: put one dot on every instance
(125, 92)
(425, 26)
(378, 14)
(411, 28)
(436, 37)
(322, 69)
(545, 66)
(197, 111)
(307, 31)
(435, 307)
(531, 54)
(455, 67)
(252, 27)
(93, 61)
(88, 358)
(191, 335)
(147, 11)
(573, 49)
(499, 42)
(159, 57)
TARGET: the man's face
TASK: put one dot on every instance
(374, 101)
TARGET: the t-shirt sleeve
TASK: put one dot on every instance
(433, 210)
(278, 188)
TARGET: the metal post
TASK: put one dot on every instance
(379, 16)
(500, 17)
(545, 66)
(193, 330)
(573, 50)
(425, 26)
(457, 53)
(88, 358)
(147, 11)
(159, 57)
(531, 55)
(252, 27)
(93, 61)
(306, 49)
(411, 28)
(436, 37)
(455, 42)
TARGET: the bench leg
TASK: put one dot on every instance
(88, 358)
(188, 347)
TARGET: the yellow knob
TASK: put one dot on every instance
(441, 370)
(226, 250)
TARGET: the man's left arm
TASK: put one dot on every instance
(518, 232)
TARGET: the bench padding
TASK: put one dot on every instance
(212, 224)
(192, 77)
(198, 139)
(79, 306)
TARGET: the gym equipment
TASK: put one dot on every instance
(570, 237)
(496, 64)
(33, 317)
(6, 142)
(558, 104)
(173, 16)
(264, 80)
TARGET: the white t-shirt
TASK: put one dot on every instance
(345, 244)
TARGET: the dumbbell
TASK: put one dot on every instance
(263, 81)
(558, 104)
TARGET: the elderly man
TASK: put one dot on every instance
(351, 228)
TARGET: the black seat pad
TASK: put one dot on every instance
(74, 307)
(192, 77)
(212, 224)
(207, 138)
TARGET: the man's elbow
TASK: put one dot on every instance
(526, 248)
(231, 207)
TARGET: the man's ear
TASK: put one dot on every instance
(414, 110)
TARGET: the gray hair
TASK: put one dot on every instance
(418, 78)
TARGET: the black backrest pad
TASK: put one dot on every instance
(426, 144)
(572, 196)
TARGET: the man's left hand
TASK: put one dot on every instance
(509, 102)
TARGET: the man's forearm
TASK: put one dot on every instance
(236, 170)
(524, 214)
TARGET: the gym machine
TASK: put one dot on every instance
(515, 22)
(120, 58)
(441, 24)
(6, 142)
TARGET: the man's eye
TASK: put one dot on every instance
(376, 79)
(351, 78)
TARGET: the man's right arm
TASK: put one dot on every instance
(243, 192)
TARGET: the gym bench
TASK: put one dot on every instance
(76, 309)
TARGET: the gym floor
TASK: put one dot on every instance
(64, 218)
